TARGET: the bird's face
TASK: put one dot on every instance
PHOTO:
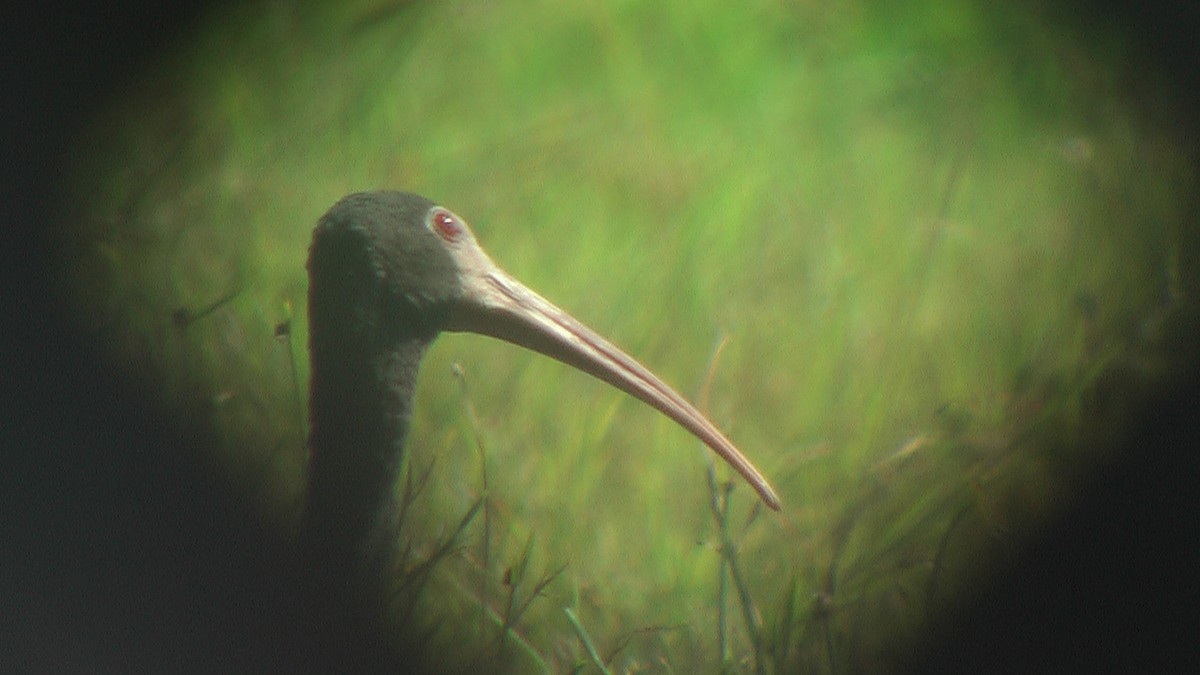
(424, 266)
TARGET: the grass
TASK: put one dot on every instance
(919, 236)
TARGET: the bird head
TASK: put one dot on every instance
(387, 266)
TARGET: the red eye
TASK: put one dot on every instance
(447, 226)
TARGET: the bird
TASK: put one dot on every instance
(389, 271)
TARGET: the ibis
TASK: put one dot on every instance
(388, 271)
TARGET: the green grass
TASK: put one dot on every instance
(889, 217)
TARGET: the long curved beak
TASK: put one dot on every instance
(501, 307)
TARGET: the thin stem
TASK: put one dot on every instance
(587, 642)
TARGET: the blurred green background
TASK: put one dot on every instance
(896, 251)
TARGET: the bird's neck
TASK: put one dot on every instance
(360, 407)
